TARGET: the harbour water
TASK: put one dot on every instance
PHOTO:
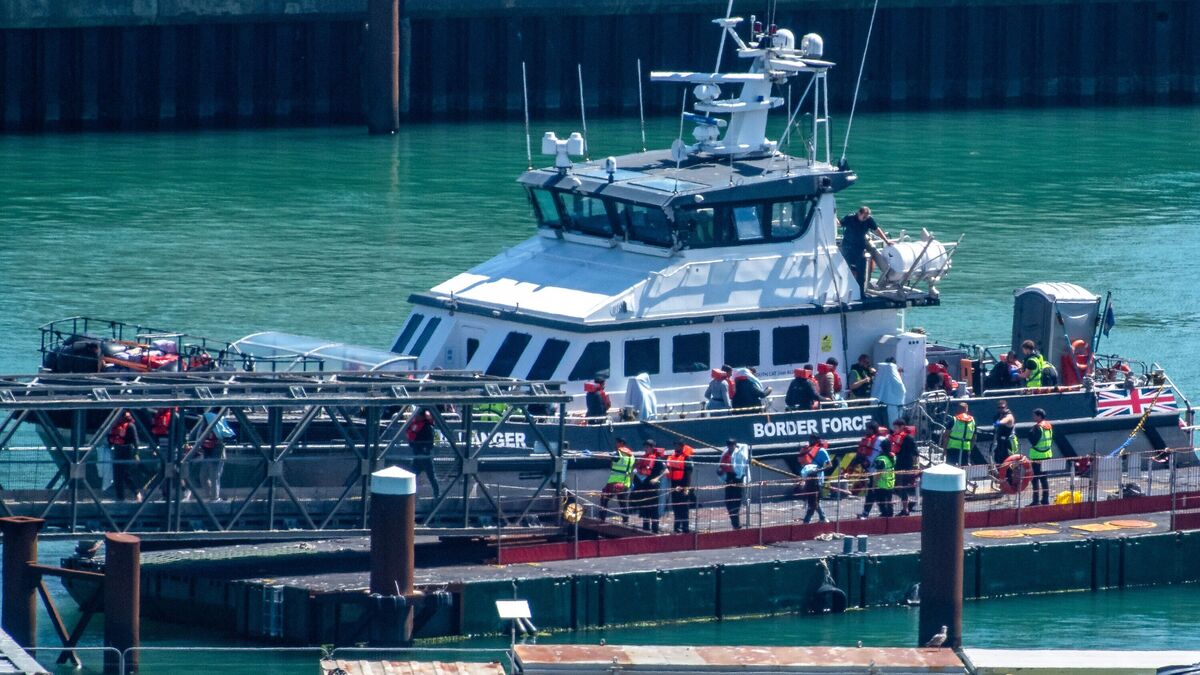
(326, 232)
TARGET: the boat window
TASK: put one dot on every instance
(423, 339)
(747, 220)
(588, 215)
(509, 353)
(789, 344)
(689, 353)
(414, 320)
(706, 228)
(593, 361)
(472, 347)
(545, 209)
(646, 225)
(790, 219)
(641, 356)
(741, 348)
(548, 359)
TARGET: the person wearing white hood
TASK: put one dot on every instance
(888, 387)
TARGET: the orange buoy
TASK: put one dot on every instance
(1014, 474)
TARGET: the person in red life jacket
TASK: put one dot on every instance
(647, 485)
(679, 470)
(734, 471)
(802, 393)
(864, 453)
(829, 382)
(420, 440)
(597, 401)
(620, 481)
(718, 395)
(908, 461)
(123, 440)
(814, 462)
(937, 376)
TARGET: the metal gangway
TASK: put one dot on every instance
(260, 452)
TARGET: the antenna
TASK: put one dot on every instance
(724, 34)
(528, 142)
(582, 112)
(678, 149)
(641, 105)
(861, 64)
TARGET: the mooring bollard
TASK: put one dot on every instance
(943, 489)
(18, 615)
(393, 519)
(122, 600)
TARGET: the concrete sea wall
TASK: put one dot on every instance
(163, 64)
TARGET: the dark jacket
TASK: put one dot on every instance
(802, 394)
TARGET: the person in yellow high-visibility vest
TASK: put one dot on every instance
(1034, 366)
(960, 438)
(1041, 448)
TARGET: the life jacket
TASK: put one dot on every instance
(645, 465)
(598, 389)
(117, 435)
(899, 436)
(1035, 376)
(622, 467)
(947, 383)
(961, 432)
(415, 428)
(677, 463)
(866, 445)
(161, 424)
(718, 374)
(1044, 448)
(825, 368)
(810, 453)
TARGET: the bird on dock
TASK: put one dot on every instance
(939, 639)
(859, 645)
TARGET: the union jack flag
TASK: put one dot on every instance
(1120, 402)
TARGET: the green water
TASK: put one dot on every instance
(327, 231)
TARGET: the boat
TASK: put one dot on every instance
(648, 271)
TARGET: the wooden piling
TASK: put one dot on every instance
(18, 587)
(122, 600)
(383, 65)
(943, 489)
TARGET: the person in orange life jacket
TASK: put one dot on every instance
(647, 484)
(123, 440)
(718, 395)
(908, 460)
(734, 470)
(1041, 448)
(620, 480)
(814, 462)
(829, 382)
(883, 478)
(597, 401)
(1076, 365)
(160, 429)
(802, 393)
(864, 454)
(679, 470)
(748, 390)
(420, 441)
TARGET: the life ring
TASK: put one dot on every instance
(1024, 471)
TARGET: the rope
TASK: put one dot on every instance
(858, 82)
(1141, 422)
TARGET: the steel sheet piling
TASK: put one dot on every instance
(18, 615)
(383, 65)
(943, 490)
(122, 600)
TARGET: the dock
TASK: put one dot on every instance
(316, 594)
(16, 661)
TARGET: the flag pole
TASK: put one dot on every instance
(1100, 322)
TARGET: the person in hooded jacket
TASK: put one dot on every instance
(647, 485)
(718, 395)
(908, 460)
(748, 391)
(802, 392)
